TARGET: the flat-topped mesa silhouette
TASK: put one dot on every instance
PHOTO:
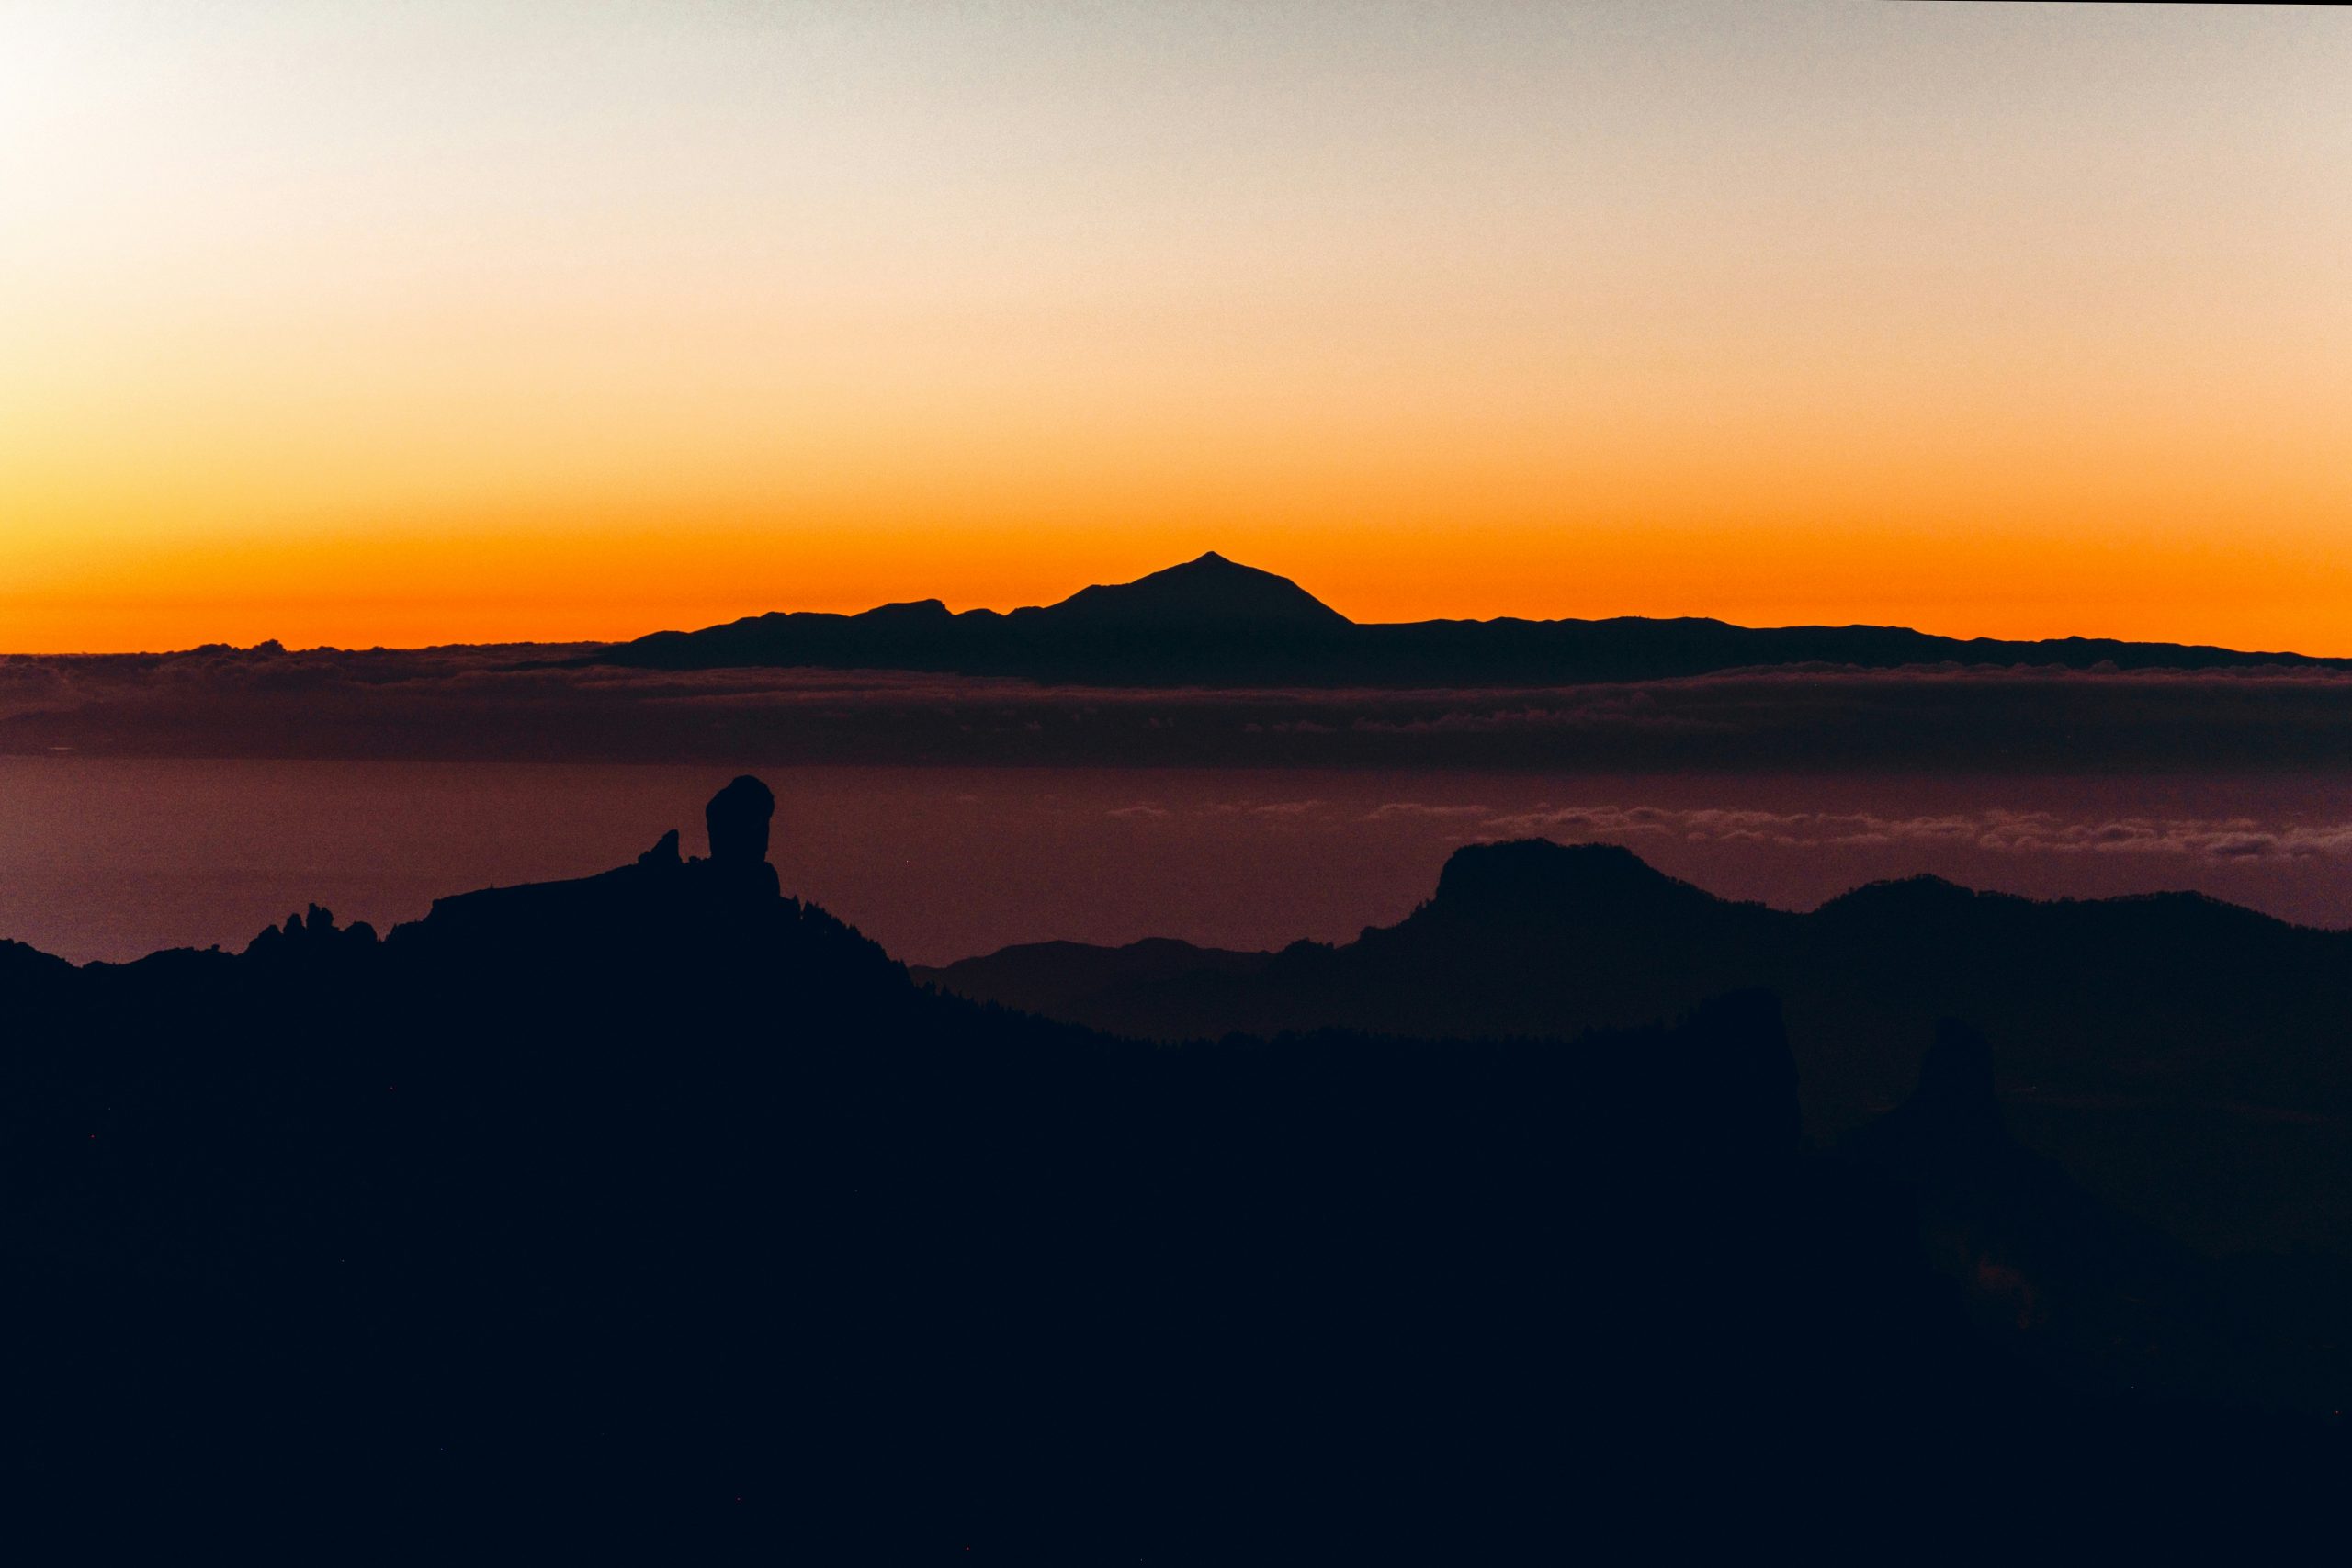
(1212, 620)
(1535, 880)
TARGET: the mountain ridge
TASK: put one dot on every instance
(1214, 620)
(2127, 1024)
(658, 1187)
(1207, 590)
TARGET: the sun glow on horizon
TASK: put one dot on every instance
(443, 323)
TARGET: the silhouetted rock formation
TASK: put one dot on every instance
(737, 818)
(1534, 883)
(315, 931)
(1212, 620)
(652, 1195)
(2081, 1284)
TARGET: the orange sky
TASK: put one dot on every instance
(452, 321)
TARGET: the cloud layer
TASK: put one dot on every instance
(526, 704)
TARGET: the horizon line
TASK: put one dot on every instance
(1206, 556)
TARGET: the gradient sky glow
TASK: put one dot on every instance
(407, 322)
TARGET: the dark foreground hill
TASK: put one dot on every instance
(1215, 622)
(2145, 1041)
(657, 1201)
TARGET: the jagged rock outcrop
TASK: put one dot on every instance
(313, 931)
(659, 889)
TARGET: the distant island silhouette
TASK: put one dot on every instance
(659, 1199)
(1214, 620)
(1215, 664)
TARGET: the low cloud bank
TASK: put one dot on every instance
(2002, 831)
(527, 703)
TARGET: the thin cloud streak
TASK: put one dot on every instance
(2010, 832)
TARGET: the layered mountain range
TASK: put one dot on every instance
(1215, 622)
(657, 1200)
(2140, 1039)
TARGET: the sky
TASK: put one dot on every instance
(405, 323)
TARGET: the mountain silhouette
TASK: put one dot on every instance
(2133, 1029)
(658, 1201)
(1214, 620)
(1210, 591)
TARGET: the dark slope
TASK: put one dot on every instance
(1213, 622)
(1064, 979)
(1520, 939)
(2146, 1040)
(2090, 1290)
(656, 1200)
